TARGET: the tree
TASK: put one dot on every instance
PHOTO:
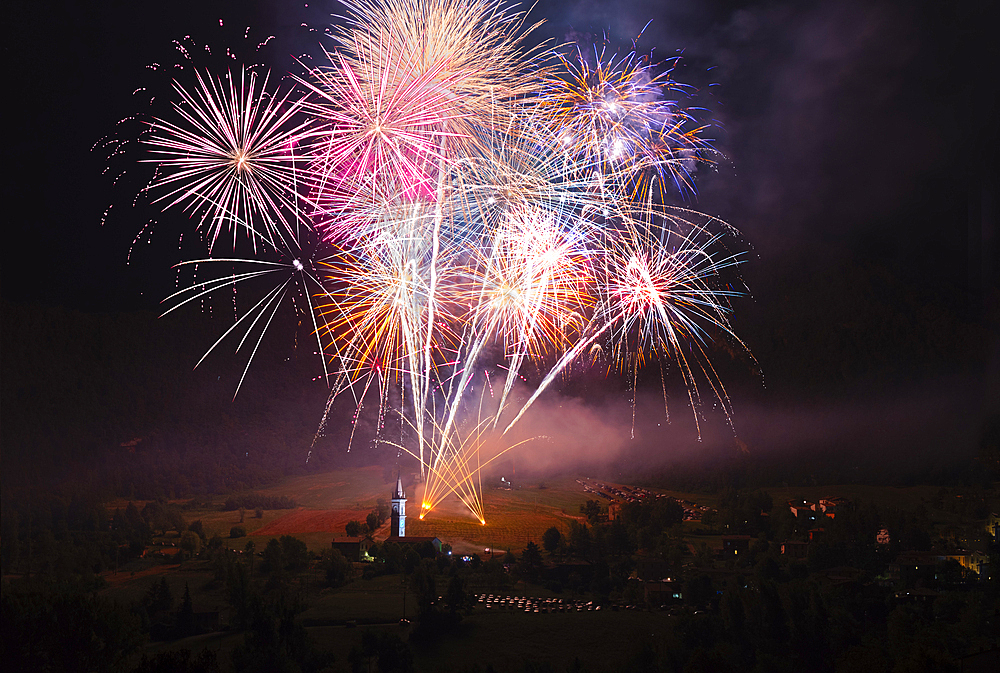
(455, 599)
(185, 615)
(155, 516)
(593, 511)
(579, 538)
(175, 519)
(67, 633)
(274, 557)
(531, 560)
(239, 592)
(425, 588)
(392, 554)
(136, 530)
(382, 509)
(338, 569)
(295, 553)
(9, 539)
(198, 528)
(179, 661)
(372, 521)
(190, 542)
(550, 539)
(250, 547)
(159, 597)
(411, 559)
(353, 528)
(387, 649)
(237, 531)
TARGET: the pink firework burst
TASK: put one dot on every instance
(386, 129)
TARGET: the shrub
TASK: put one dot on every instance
(237, 531)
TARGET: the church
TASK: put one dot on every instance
(397, 525)
(398, 517)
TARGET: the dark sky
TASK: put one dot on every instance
(860, 163)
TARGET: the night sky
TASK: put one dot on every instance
(860, 164)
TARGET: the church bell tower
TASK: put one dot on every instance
(398, 519)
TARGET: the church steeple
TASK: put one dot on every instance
(398, 518)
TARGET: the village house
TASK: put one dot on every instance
(734, 545)
(663, 592)
(354, 548)
(795, 549)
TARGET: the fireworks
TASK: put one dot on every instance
(616, 115)
(231, 157)
(474, 212)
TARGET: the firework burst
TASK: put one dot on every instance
(474, 212)
(231, 158)
(382, 142)
(472, 48)
(617, 115)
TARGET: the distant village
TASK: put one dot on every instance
(663, 579)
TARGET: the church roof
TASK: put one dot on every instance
(398, 492)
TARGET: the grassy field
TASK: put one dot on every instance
(602, 641)
(512, 517)
(327, 501)
(374, 601)
(503, 638)
(127, 587)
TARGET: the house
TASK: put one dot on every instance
(917, 595)
(410, 541)
(354, 548)
(993, 526)
(662, 592)
(734, 545)
(829, 506)
(795, 549)
(973, 560)
(803, 509)
(915, 565)
(614, 509)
